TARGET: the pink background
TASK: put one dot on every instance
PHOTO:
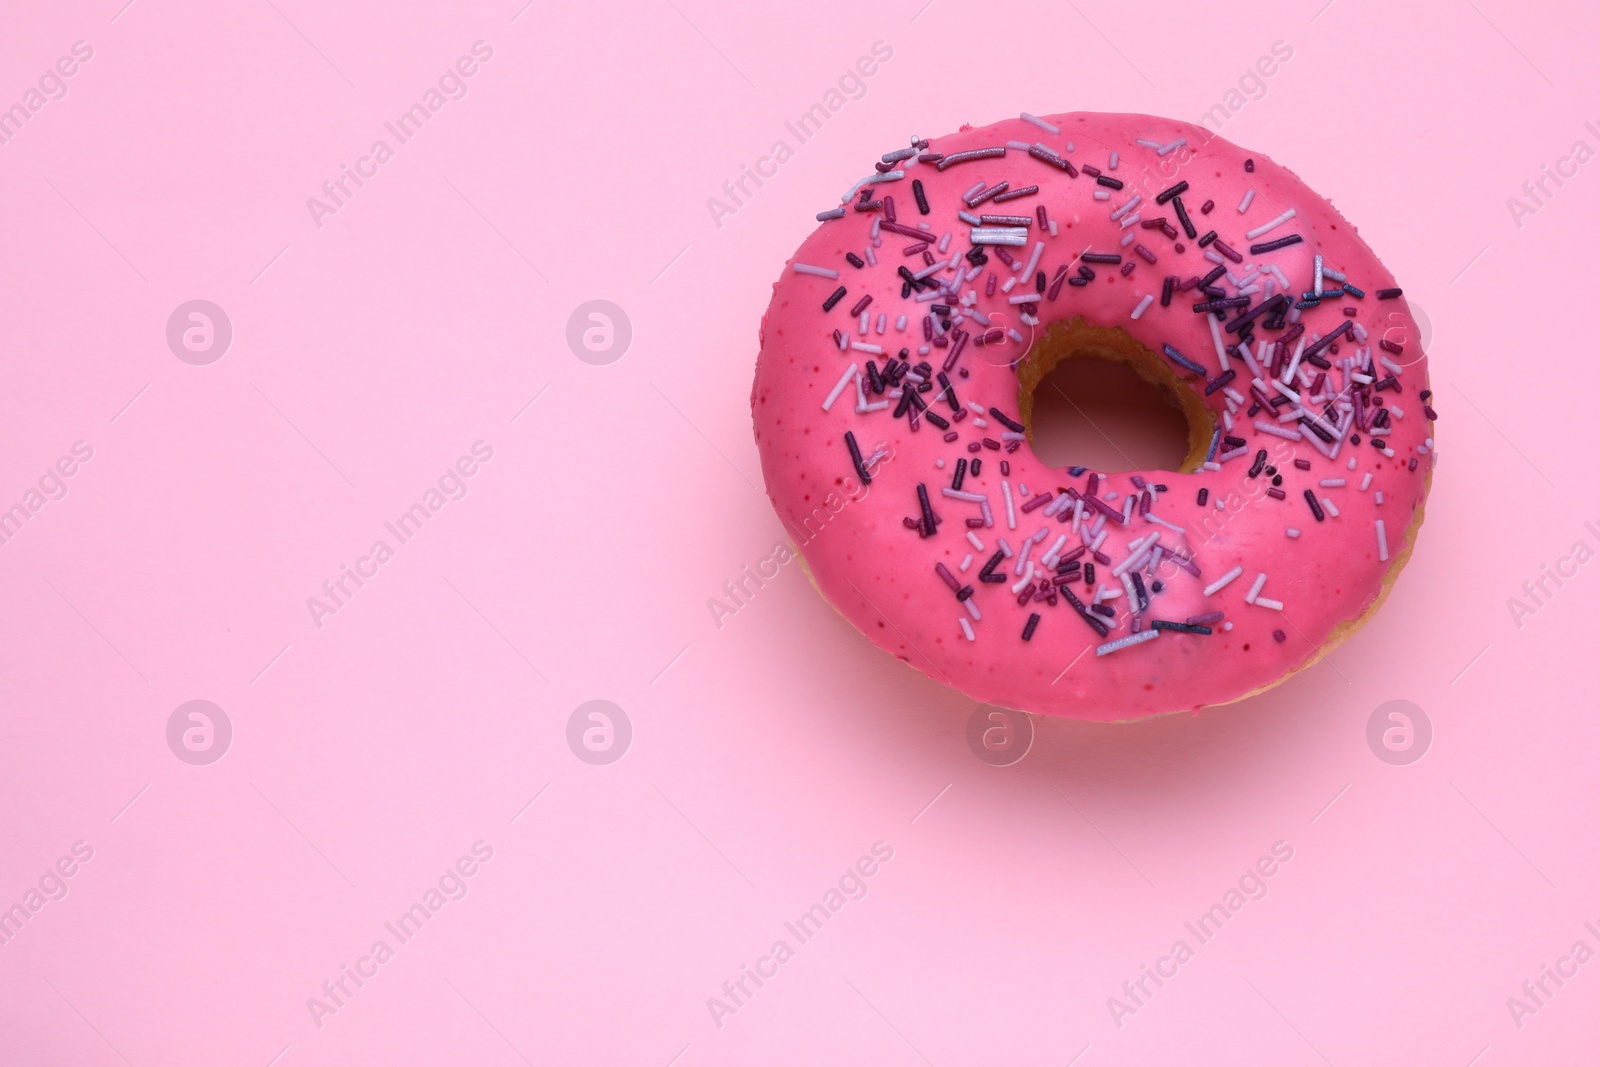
(767, 755)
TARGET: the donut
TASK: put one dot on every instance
(893, 400)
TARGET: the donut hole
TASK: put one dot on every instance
(1093, 396)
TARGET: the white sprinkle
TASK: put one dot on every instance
(1255, 588)
(971, 604)
(1124, 642)
(1264, 602)
(1047, 127)
(820, 272)
(900, 324)
(1377, 495)
(1102, 194)
(1011, 509)
(1328, 504)
(848, 375)
(966, 627)
(863, 346)
(1112, 163)
(1331, 483)
(1211, 590)
(1267, 227)
(1027, 577)
(1290, 532)
(1383, 540)
(966, 561)
(1244, 204)
(975, 540)
(1366, 480)
(1005, 547)
(1168, 149)
(1141, 142)
(1125, 208)
(1144, 303)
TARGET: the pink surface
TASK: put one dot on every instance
(381, 755)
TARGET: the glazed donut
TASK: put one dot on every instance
(893, 398)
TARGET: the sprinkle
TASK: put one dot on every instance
(1383, 540)
(1011, 510)
(1255, 588)
(820, 272)
(836, 213)
(1244, 204)
(928, 522)
(1273, 246)
(1148, 299)
(1216, 586)
(838, 295)
(1267, 227)
(1328, 506)
(1183, 218)
(1048, 127)
(1123, 642)
(1181, 360)
(849, 375)
(1268, 603)
(855, 458)
(966, 627)
(1387, 294)
(1179, 627)
(1311, 501)
(1167, 194)
(1291, 532)
(1033, 624)
(1331, 483)
(964, 157)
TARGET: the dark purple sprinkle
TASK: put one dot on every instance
(855, 458)
(1144, 253)
(1277, 494)
(1088, 573)
(1279, 636)
(1033, 624)
(1093, 172)
(1316, 508)
(838, 295)
(1226, 251)
(1039, 283)
(1249, 165)
(936, 418)
(1126, 269)
(1217, 272)
(1006, 220)
(960, 475)
(986, 194)
(861, 305)
(1179, 627)
(1037, 502)
(1181, 360)
(991, 443)
(1166, 290)
(949, 579)
(1411, 464)
(1167, 194)
(1260, 464)
(1202, 496)
(1026, 190)
(1008, 420)
(1005, 469)
(1205, 208)
(1085, 273)
(1201, 620)
(1273, 246)
(1302, 464)
(976, 467)
(1101, 257)
(1152, 224)
(1108, 181)
(1183, 218)
(1217, 383)
(928, 519)
(1138, 588)
(922, 197)
(976, 153)
(1387, 294)
(1388, 345)
(1206, 238)
(855, 261)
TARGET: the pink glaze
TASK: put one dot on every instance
(882, 575)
